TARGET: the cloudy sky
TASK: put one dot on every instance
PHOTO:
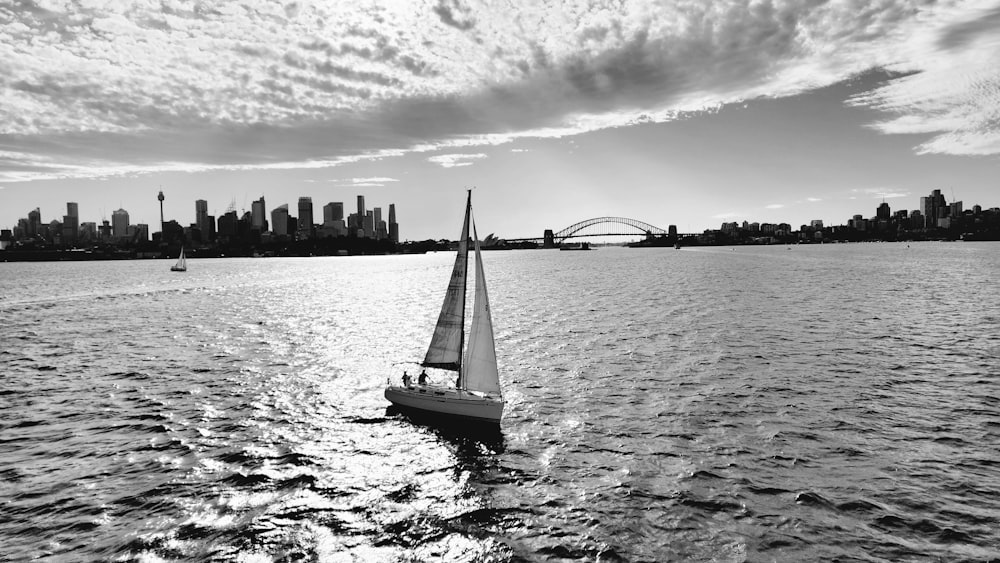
(683, 112)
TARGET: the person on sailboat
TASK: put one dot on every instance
(406, 379)
(458, 381)
(423, 377)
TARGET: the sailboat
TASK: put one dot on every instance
(181, 265)
(476, 395)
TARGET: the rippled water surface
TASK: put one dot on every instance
(829, 402)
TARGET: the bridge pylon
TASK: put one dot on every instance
(548, 239)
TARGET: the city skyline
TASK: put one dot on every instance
(691, 115)
(933, 211)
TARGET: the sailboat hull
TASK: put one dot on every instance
(442, 401)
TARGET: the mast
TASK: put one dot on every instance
(447, 343)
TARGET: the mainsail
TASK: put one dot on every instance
(479, 373)
(445, 350)
(181, 264)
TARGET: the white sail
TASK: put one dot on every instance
(181, 264)
(445, 350)
(479, 372)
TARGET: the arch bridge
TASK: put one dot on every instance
(606, 226)
(599, 227)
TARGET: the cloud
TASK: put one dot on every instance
(880, 193)
(124, 89)
(813, 199)
(453, 160)
(952, 91)
(774, 206)
(377, 181)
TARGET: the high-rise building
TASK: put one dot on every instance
(119, 224)
(368, 225)
(71, 223)
(955, 209)
(933, 207)
(201, 219)
(361, 212)
(279, 220)
(258, 215)
(34, 222)
(883, 211)
(88, 231)
(333, 211)
(228, 225)
(305, 217)
(393, 227)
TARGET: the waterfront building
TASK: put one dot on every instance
(105, 231)
(333, 211)
(279, 220)
(228, 226)
(53, 231)
(369, 225)
(816, 223)
(361, 212)
(119, 224)
(138, 233)
(933, 207)
(258, 216)
(333, 221)
(380, 231)
(34, 225)
(71, 223)
(883, 211)
(393, 226)
(88, 231)
(202, 220)
(305, 225)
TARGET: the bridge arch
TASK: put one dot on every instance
(612, 226)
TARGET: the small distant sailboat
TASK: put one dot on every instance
(476, 395)
(181, 265)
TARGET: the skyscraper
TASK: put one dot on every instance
(34, 222)
(932, 208)
(119, 224)
(71, 223)
(279, 220)
(368, 223)
(381, 232)
(201, 219)
(393, 227)
(333, 211)
(305, 217)
(258, 215)
(361, 212)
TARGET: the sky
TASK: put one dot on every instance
(689, 113)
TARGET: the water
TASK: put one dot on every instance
(836, 402)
